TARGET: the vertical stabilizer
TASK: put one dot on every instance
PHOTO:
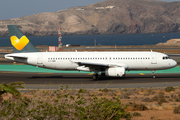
(19, 41)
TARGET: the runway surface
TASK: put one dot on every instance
(76, 81)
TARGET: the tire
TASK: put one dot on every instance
(95, 77)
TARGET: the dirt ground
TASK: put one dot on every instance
(157, 115)
(154, 111)
(151, 103)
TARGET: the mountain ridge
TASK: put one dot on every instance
(106, 17)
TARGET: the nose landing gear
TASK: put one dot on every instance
(153, 74)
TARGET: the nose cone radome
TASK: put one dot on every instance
(173, 63)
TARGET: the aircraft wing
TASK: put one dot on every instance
(99, 66)
(89, 64)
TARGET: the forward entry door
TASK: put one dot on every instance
(153, 58)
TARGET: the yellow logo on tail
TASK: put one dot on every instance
(19, 44)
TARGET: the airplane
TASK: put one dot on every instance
(113, 64)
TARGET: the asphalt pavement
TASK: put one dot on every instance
(76, 81)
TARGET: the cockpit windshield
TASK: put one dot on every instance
(166, 57)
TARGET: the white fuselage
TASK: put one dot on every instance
(68, 60)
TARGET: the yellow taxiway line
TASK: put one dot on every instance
(141, 73)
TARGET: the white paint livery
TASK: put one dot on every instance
(110, 63)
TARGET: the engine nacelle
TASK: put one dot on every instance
(115, 72)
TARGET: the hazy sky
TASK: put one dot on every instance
(18, 8)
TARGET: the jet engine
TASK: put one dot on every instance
(115, 72)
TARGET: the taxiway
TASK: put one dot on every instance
(75, 81)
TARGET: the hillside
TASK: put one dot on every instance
(107, 17)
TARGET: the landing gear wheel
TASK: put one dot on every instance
(153, 74)
(95, 77)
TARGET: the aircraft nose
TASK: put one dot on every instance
(173, 63)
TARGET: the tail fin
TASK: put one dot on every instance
(19, 41)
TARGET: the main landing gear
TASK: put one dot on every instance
(153, 74)
(95, 76)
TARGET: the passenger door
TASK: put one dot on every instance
(153, 58)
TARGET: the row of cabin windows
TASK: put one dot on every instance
(134, 58)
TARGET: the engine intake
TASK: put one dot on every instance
(115, 72)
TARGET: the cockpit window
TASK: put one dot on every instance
(166, 57)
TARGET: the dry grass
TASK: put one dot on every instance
(138, 100)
